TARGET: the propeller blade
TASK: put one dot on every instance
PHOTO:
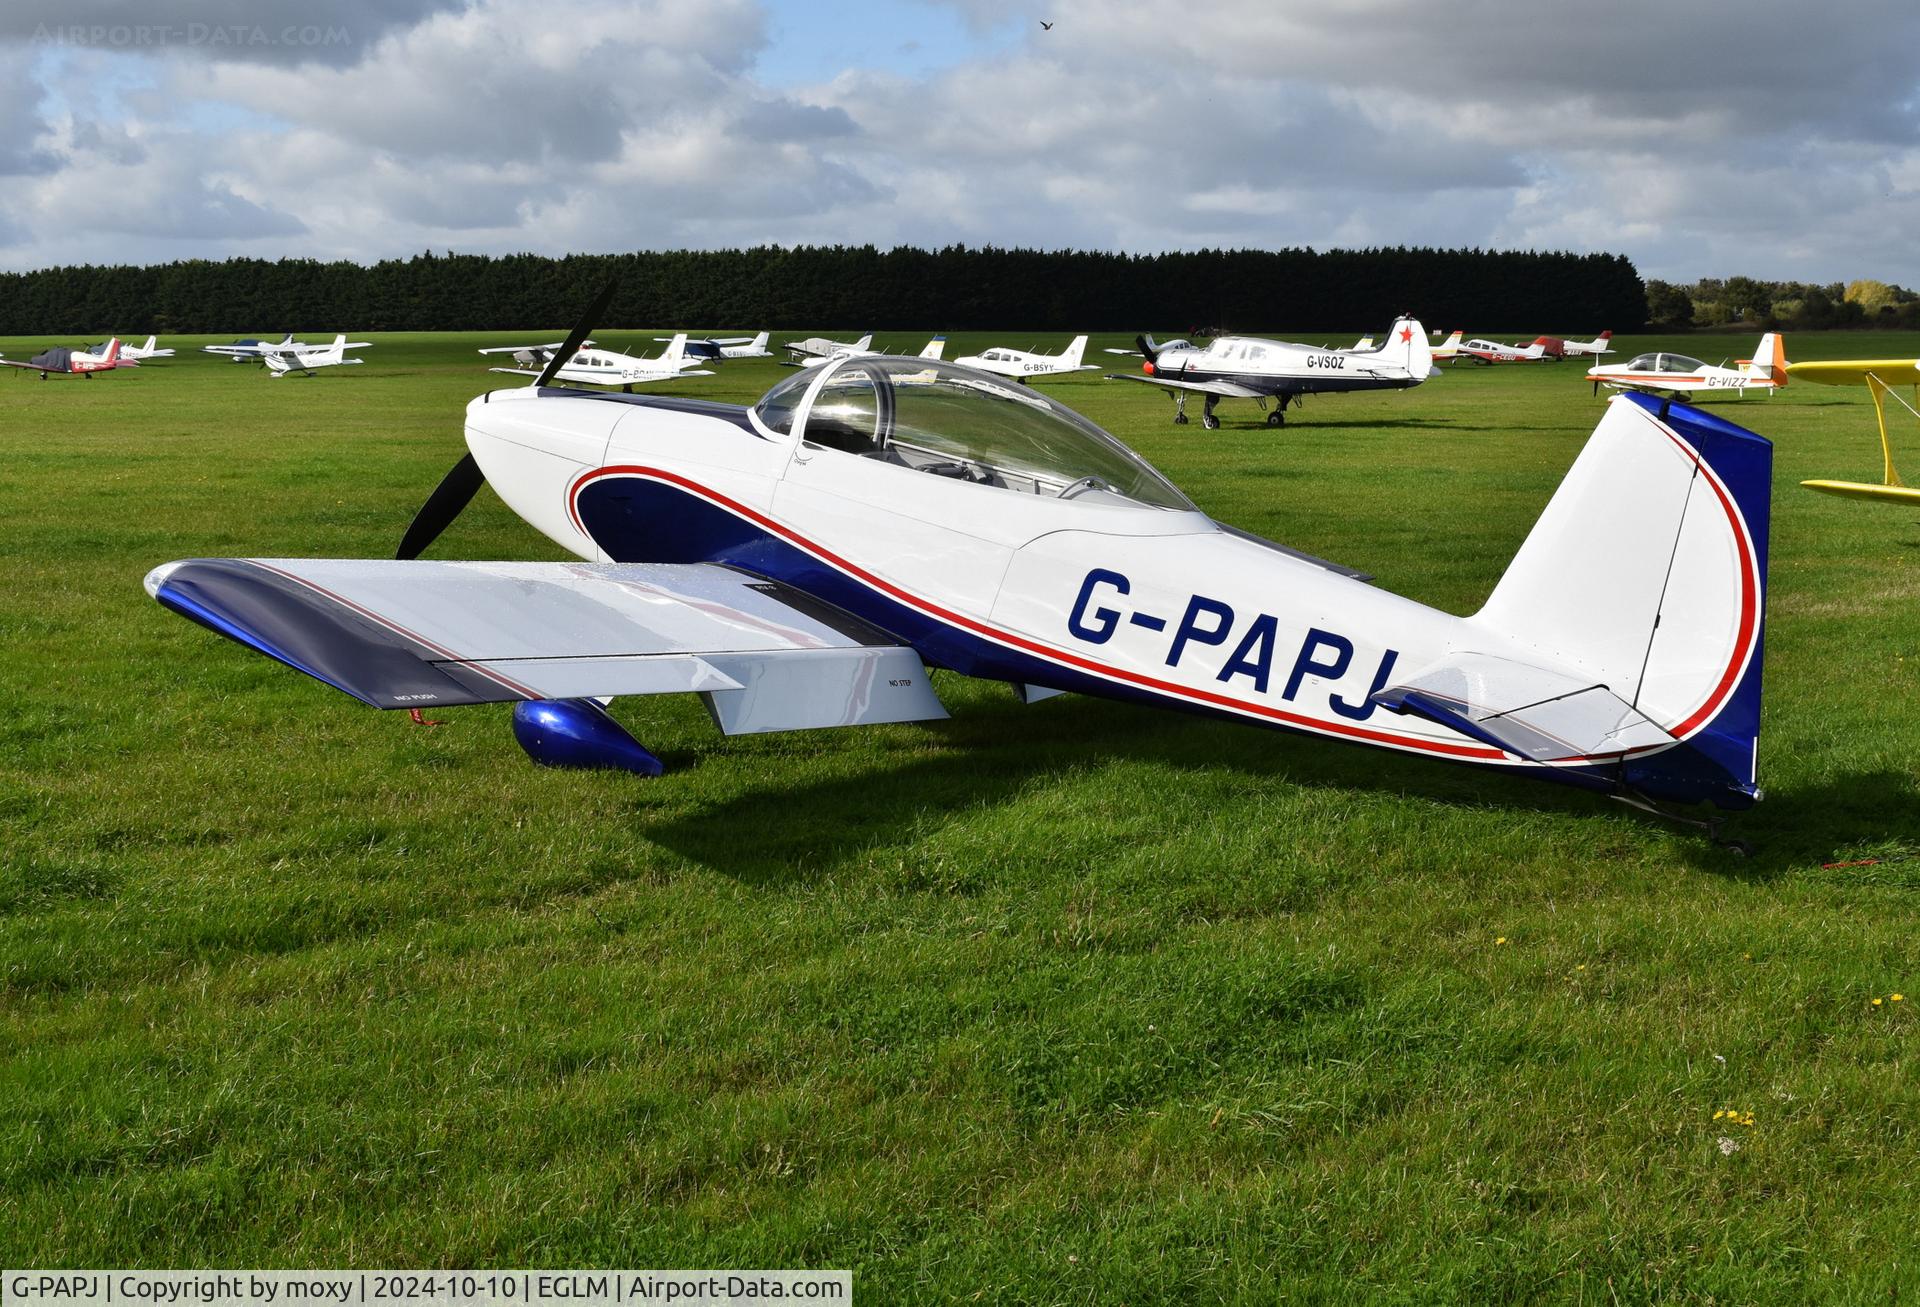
(564, 355)
(455, 491)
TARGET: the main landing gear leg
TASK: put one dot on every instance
(1711, 827)
(1207, 419)
(1278, 418)
(1179, 408)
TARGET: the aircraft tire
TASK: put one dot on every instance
(1179, 419)
(1276, 419)
(1209, 421)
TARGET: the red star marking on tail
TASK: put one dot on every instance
(1406, 334)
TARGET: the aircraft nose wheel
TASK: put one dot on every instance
(1179, 419)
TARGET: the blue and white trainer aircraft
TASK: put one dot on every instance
(804, 561)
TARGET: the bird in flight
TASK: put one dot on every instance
(1045, 26)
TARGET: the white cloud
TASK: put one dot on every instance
(1696, 140)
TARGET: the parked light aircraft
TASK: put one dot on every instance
(1879, 376)
(137, 353)
(1449, 349)
(933, 349)
(308, 358)
(1680, 374)
(819, 347)
(730, 347)
(58, 360)
(803, 562)
(248, 350)
(601, 367)
(1022, 366)
(1558, 348)
(1492, 351)
(1249, 367)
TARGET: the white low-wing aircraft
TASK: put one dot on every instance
(1559, 348)
(306, 359)
(729, 347)
(933, 349)
(819, 347)
(1681, 374)
(803, 562)
(137, 353)
(1251, 367)
(248, 350)
(600, 367)
(1023, 366)
(1492, 351)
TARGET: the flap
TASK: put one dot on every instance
(1530, 711)
(399, 634)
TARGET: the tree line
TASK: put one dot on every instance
(854, 287)
(1773, 305)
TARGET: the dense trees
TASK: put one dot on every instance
(1711, 302)
(855, 287)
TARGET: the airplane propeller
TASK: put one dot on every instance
(464, 479)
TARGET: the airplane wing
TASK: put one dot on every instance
(1854, 372)
(277, 364)
(402, 634)
(1227, 389)
(1530, 711)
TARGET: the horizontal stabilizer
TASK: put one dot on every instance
(403, 634)
(1532, 712)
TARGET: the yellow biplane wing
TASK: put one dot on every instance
(1879, 376)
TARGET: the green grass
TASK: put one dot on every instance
(1072, 1003)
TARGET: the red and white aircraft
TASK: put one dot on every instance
(1492, 351)
(1682, 374)
(61, 361)
(1558, 348)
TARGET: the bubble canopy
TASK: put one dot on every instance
(945, 420)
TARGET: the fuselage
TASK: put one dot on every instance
(1275, 367)
(1679, 374)
(1024, 580)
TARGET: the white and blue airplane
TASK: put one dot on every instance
(803, 562)
(600, 367)
(307, 359)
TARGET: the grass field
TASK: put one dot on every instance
(1072, 1003)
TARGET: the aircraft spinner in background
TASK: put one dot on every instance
(1682, 374)
(1252, 367)
(803, 562)
(59, 361)
(599, 367)
(1880, 377)
(1024, 366)
(307, 359)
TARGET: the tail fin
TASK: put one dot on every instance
(1362, 346)
(1534, 351)
(760, 341)
(1453, 341)
(1407, 347)
(934, 348)
(1647, 572)
(338, 349)
(865, 342)
(148, 348)
(1600, 341)
(1074, 352)
(675, 353)
(113, 350)
(1770, 360)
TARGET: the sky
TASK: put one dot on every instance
(1698, 139)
